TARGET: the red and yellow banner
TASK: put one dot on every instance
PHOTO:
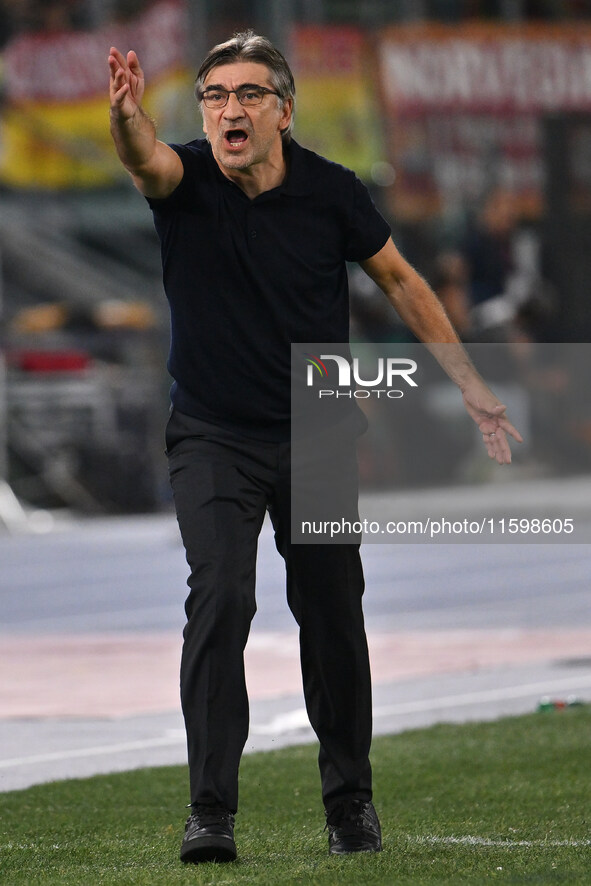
(465, 104)
(455, 109)
(337, 103)
(54, 125)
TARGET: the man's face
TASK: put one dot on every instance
(240, 136)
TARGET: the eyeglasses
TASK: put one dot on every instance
(249, 96)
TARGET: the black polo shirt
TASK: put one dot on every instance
(246, 278)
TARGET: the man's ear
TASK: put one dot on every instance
(286, 115)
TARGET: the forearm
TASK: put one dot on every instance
(421, 311)
(155, 168)
(135, 140)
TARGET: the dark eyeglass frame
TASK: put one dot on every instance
(239, 93)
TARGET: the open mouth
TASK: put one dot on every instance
(236, 137)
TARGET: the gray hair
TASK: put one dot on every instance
(248, 46)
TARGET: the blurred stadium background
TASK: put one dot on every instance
(470, 121)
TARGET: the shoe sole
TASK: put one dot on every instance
(208, 849)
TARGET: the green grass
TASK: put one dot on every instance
(523, 784)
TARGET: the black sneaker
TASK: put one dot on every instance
(353, 826)
(209, 835)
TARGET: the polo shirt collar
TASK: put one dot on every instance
(297, 181)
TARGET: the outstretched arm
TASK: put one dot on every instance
(154, 167)
(420, 310)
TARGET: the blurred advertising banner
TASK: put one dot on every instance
(337, 102)
(384, 420)
(54, 124)
(465, 104)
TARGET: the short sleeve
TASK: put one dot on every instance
(368, 230)
(184, 191)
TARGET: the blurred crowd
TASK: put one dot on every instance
(51, 16)
(490, 280)
(493, 285)
(62, 15)
(528, 9)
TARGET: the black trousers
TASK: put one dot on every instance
(223, 484)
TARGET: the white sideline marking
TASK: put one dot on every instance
(437, 841)
(298, 718)
(283, 723)
(99, 750)
(499, 844)
(484, 695)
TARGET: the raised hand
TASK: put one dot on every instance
(155, 168)
(126, 88)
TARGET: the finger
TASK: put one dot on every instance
(503, 450)
(506, 425)
(114, 66)
(118, 56)
(118, 81)
(133, 62)
(497, 446)
(118, 75)
(490, 448)
(504, 457)
(497, 410)
(499, 454)
(120, 94)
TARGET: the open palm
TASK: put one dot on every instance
(126, 84)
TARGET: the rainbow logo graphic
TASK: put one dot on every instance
(315, 363)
